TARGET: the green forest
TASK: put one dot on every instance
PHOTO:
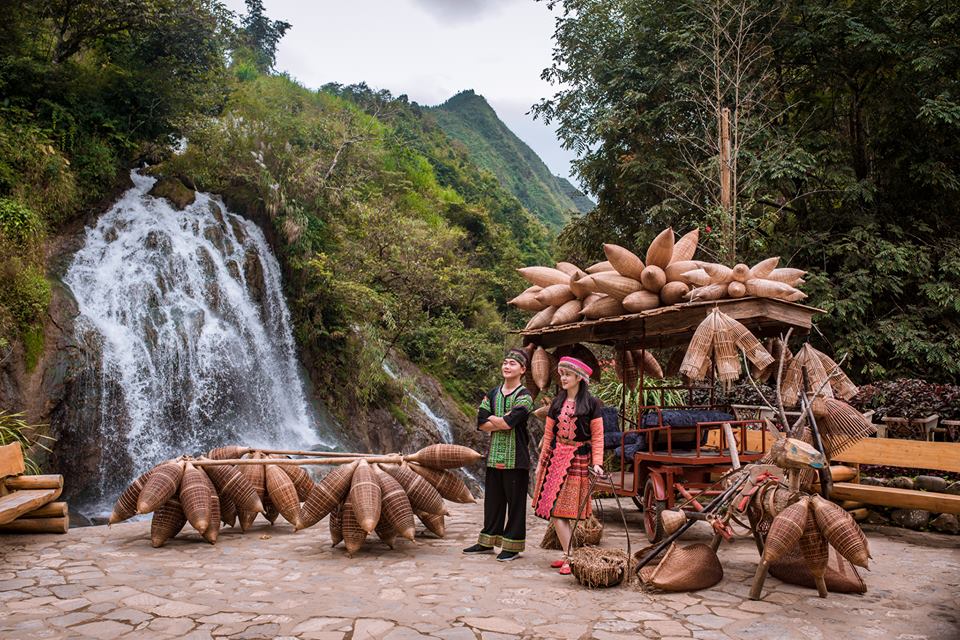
(393, 236)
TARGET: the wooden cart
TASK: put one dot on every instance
(677, 462)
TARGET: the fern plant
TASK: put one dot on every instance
(14, 428)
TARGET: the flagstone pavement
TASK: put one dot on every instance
(99, 582)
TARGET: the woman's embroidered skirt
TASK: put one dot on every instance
(563, 484)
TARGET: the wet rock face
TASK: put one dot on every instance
(173, 189)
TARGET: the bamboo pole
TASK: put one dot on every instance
(317, 454)
(387, 459)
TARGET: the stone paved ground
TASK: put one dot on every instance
(271, 582)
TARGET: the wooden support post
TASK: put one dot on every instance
(758, 579)
(49, 510)
(18, 483)
(59, 524)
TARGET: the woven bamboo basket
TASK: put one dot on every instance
(447, 483)
(270, 510)
(528, 301)
(699, 349)
(840, 576)
(686, 246)
(195, 498)
(708, 293)
(589, 532)
(167, 522)
(660, 251)
(673, 293)
(816, 553)
(626, 369)
(231, 452)
(395, 505)
(327, 494)
(817, 376)
(604, 307)
(842, 385)
(555, 295)
(696, 277)
(543, 276)
(335, 522)
(445, 456)
(569, 268)
(386, 533)
(567, 313)
(599, 267)
(541, 319)
(648, 365)
(843, 426)
(672, 520)
(615, 285)
(788, 276)
(763, 268)
(624, 261)
(785, 531)
(228, 511)
(422, 495)
(748, 342)
(160, 486)
(231, 483)
(213, 529)
(365, 496)
(641, 301)
(653, 278)
(126, 505)
(540, 367)
(676, 271)
(688, 568)
(719, 273)
(726, 358)
(283, 494)
(842, 531)
(434, 523)
(246, 518)
(599, 568)
(353, 534)
(704, 370)
(770, 289)
(790, 384)
(254, 475)
(579, 289)
(741, 273)
(736, 290)
(301, 479)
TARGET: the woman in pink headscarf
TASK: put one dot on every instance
(572, 446)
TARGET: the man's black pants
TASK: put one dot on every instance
(505, 501)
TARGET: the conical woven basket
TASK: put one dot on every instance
(763, 268)
(840, 576)
(568, 312)
(542, 319)
(445, 456)
(555, 295)
(232, 452)
(648, 365)
(699, 350)
(543, 276)
(578, 289)
(395, 505)
(126, 505)
(195, 498)
(741, 273)
(528, 301)
(736, 290)
(719, 273)
(600, 267)
(674, 293)
(605, 307)
(615, 285)
(785, 531)
(786, 275)
(228, 511)
(814, 548)
(708, 293)
(255, 475)
(696, 277)
(301, 479)
(624, 261)
(640, 301)
(569, 268)
(423, 497)
(327, 494)
(386, 533)
(660, 251)
(763, 288)
(725, 355)
(843, 427)
(353, 534)
(160, 486)
(672, 520)
(167, 522)
(688, 568)
(335, 522)
(685, 247)
(746, 341)
(365, 496)
(676, 271)
(447, 483)
(653, 278)
(626, 369)
(843, 386)
(540, 367)
(232, 484)
(842, 531)
(213, 529)
(283, 494)
(434, 523)
(270, 510)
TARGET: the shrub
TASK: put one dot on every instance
(19, 223)
(906, 398)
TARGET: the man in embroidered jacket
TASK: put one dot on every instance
(503, 414)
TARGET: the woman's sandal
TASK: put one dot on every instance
(565, 569)
(556, 564)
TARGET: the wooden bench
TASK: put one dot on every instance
(27, 502)
(912, 454)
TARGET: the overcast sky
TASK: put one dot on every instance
(428, 50)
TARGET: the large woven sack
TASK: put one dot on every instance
(365, 496)
(839, 527)
(763, 268)
(228, 511)
(555, 295)
(395, 505)
(231, 452)
(283, 494)
(603, 307)
(615, 285)
(434, 523)
(445, 456)
(213, 528)
(840, 576)
(541, 320)
(195, 498)
(167, 522)
(447, 483)
(660, 251)
(386, 533)
(685, 247)
(301, 479)
(422, 495)
(540, 367)
(232, 484)
(543, 276)
(653, 278)
(160, 486)
(600, 267)
(335, 521)
(594, 567)
(674, 292)
(567, 312)
(327, 494)
(688, 568)
(640, 301)
(624, 261)
(786, 530)
(353, 533)
(126, 505)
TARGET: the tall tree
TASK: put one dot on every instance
(262, 34)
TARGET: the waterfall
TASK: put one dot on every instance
(443, 426)
(186, 311)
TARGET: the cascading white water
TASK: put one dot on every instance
(443, 427)
(196, 348)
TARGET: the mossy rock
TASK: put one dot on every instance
(178, 194)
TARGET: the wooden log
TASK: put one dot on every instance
(897, 498)
(758, 579)
(60, 524)
(51, 510)
(14, 505)
(35, 482)
(859, 514)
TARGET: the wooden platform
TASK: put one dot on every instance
(673, 325)
(25, 500)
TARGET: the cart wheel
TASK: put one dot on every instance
(652, 508)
